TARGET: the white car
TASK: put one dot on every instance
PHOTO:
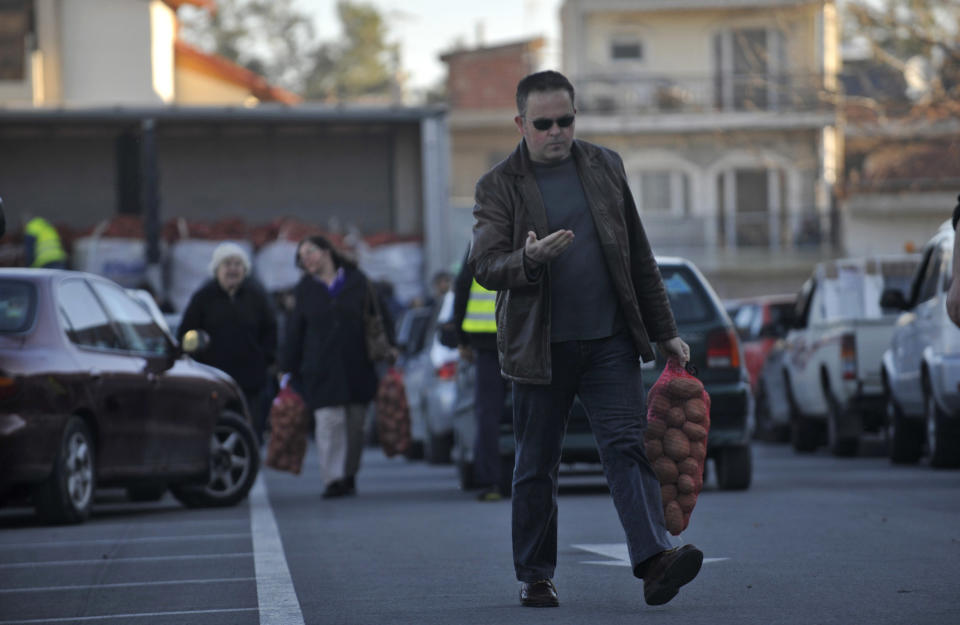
(921, 368)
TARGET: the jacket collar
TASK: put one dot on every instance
(519, 163)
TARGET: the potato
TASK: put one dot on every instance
(690, 466)
(686, 485)
(658, 406)
(676, 445)
(673, 517)
(654, 449)
(655, 429)
(668, 492)
(684, 388)
(686, 503)
(676, 418)
(666, 470)
(698, 451)
(695, 410)
(694, 431)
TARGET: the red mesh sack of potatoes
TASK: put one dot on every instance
(678, 420)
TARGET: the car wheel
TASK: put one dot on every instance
(904, 436)
(67, 495)
(943, 441)
(804, 432)
(234, 462)
(838, 444)
(438, 447)
(506, 475)
(734, 467)
(146, 491)
(415, 451)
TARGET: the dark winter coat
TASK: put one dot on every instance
(325, 345)
(242, 329)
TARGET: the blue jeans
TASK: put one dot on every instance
(605, 374)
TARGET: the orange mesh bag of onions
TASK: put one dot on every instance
(678, 420)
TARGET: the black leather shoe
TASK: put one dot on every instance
(667, 571)
(336, 489)
(542, 594)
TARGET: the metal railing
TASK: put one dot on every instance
(599, 94)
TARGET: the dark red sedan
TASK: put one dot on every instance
(93, 392)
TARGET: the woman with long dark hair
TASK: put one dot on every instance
(327, 357)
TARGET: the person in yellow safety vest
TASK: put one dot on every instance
(42, 245)
(474, 319)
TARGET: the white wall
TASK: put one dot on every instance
(116, 52)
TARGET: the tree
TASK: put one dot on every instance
(361, 63)
(913, 37)
(269, 37)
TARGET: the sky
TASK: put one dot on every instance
(427, 28)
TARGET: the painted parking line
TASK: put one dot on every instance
(172, 582)
(107, 617)
(125, 541)
(212, 556)
(618, 554)
(276, 595)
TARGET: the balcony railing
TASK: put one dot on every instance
(722, 93)
(709, 241)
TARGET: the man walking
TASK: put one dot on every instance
(580, 299)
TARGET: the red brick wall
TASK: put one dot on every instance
(487, 78)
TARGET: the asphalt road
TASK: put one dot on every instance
(815, 540)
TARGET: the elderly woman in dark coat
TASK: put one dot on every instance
(326, 354)
(233, 308)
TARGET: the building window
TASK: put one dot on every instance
(662, 191)
(748, 69)
(626, 50)
(16, 17)
(752, 209)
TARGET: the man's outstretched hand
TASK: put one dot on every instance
(549, 247)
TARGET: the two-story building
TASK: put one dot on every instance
(725, 114)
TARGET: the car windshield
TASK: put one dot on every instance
(17, 305)
(688, 300)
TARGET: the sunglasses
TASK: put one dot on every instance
(545, 123)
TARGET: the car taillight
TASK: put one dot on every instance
(848, 357)
(8, 387)
(723, 349)
(447, 371)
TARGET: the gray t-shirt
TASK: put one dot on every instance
(583, 304)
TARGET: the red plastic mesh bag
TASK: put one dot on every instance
(678, 421)
(392, 414)
(288, 431)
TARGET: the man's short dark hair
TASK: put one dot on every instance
(548, 80)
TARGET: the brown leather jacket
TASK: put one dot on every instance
(508, 205)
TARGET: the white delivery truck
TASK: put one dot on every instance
(831, 364)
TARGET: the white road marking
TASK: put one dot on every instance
(104, 617)
(172, 582)
(212, 556)
(115, 541)
(618, 554)
(276, 595)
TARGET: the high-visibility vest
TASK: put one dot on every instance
(481, 310)
(47, 248)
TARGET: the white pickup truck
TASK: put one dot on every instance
(832, 355)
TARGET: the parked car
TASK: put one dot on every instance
(93, 392)
(715, 352)
(430, 371)
(921, 367)
(831, 367)
(762, 322)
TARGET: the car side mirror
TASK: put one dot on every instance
(893, 299)
(194, 341)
